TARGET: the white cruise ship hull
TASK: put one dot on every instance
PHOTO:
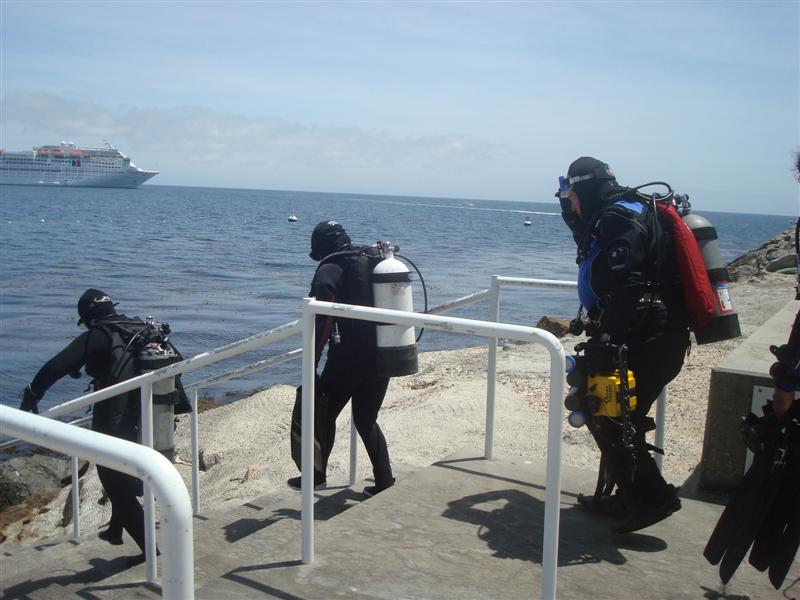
(119, 180)
(70, 166)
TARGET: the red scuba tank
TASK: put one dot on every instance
(695, 284)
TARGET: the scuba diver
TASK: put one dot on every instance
(350, 368)
(99, 349)
(635, 308)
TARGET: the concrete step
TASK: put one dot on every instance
(463, 528)
(61, 562)
(53, 591)
(471, 528)
(272, 519)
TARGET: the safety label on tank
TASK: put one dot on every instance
(724, 298)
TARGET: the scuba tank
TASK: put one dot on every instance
(155, 352)
(724, 324)
(396, 352)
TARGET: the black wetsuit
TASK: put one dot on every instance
(118, 416)
(349, 371)
(620, 283)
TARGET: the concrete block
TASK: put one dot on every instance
(730, 397)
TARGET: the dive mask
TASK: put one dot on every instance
(565, 183)
(563, 188)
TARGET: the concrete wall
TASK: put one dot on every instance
(730, 397)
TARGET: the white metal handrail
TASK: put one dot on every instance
(145, 384)
(488, 329)
(127, 457)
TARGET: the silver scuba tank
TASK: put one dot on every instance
(155, 354)
(724, 325)
(396, 353)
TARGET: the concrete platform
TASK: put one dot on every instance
(463, 528)
(730, 396)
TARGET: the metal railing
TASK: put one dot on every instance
(146, 464)
(145, 382)
(492, 330)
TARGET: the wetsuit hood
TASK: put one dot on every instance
(328, 237)
(596, 188)
(94, 304)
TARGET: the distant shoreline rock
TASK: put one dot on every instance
(774, 256)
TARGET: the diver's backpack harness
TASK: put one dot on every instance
(692, 250)
(374, 277)
(145, 347)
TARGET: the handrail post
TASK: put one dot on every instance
(491, 375)
(134, 460)
(307, 437)
(552, 498)
(76, 500)
(149, 501)
(353, 445)
(194, 419)
(661, 423)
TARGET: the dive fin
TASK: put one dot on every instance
(785, 550)
(740, 510)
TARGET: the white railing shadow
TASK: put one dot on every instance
(146, 464)
(488, 329)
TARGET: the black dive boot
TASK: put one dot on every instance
(650, 512)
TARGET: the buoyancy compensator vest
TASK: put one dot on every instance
(703, 276)
(690, 250)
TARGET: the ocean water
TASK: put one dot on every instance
(220, 264)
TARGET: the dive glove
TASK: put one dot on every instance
(29, 401)
(785, 372)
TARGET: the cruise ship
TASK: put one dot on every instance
(70, 165)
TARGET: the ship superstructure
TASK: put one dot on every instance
(71, 165)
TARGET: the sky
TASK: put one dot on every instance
(489, 100)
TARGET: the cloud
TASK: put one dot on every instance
(212, 137)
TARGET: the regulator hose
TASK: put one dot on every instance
(424, 287)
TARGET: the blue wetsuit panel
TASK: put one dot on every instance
(636, 207)
(586, 294)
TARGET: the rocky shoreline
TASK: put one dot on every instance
(425, 417)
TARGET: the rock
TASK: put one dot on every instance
(252, 470)
(783, 262)
(209, 459)
(558, 327)
(755, 262)
(789, 271)
(22, 476)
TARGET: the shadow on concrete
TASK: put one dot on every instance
(717, 595)
(462, 465)
(131, 590)
(511, 522)
(327, 507)
(691, 489)
(237, 576)
(100, 569)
